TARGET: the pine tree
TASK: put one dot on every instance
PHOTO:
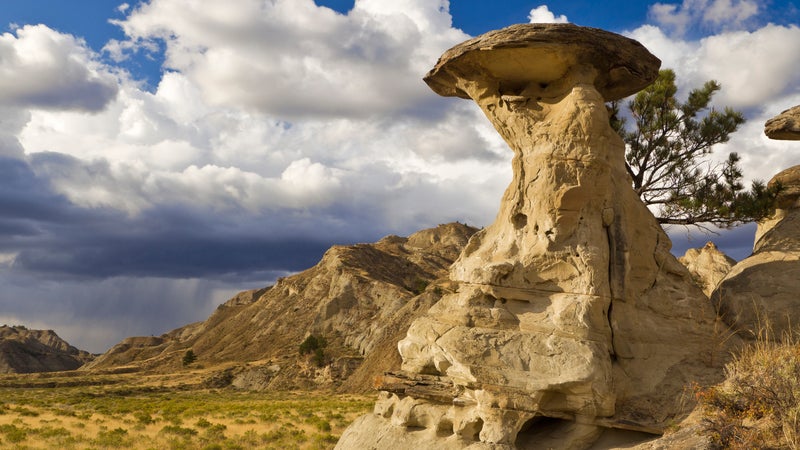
(667, 157)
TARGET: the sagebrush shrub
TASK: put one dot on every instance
(757, 406)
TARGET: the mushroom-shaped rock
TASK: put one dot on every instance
(570, 304)
(527, 56)
(785, 126)
(789, 181)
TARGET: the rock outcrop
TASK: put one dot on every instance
(784, 126)
(360, 298)
(28, 351)
(708, 266)
(571, 317)
(759, 294)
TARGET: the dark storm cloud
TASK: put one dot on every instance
(54, 237)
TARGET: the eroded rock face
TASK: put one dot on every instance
(760, 292)
(784, 126)
(570, 305)
(708, 266)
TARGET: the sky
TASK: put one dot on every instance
(158, 156)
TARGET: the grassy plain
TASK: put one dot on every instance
(131, 411)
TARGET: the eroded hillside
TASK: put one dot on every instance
(360, 298)
(27, 351)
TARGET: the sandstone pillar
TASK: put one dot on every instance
(571, 313)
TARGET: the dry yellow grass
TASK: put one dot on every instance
(116, 412)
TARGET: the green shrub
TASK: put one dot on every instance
(25, 412)
(312, 343)
(419, 285)
(178, 430)
(215, 432)
(13, 433)
(189, 357)
(315, 346)
(50, 432)
(319, 423)
(202, 423)
(143, 418)
(117, 437)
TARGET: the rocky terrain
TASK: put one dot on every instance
(27, 351)
(359, 298)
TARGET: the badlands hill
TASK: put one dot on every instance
(27, 351)
(360, 298)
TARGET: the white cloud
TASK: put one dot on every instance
(292, 58)
(705, 14)
(42, 68)
(542, 14)
(754, 68)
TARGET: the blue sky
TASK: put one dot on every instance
(159, 156)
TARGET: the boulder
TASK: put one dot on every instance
(571, 317)
(708, 266)
(759, 294)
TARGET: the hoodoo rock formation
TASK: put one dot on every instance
(784, 126)
(571, 317)
(759, 294)
(708, 266)
(760, 291)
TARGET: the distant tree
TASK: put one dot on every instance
(189, 357)
(314, 345)
(667, 151)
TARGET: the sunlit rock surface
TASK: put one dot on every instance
(572, 316)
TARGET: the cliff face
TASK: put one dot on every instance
(27, 351)
(360, 298)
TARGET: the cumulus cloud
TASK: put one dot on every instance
(293, 58)
(751, 68)
(542, 14)
(42, 68)
(705, 14)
